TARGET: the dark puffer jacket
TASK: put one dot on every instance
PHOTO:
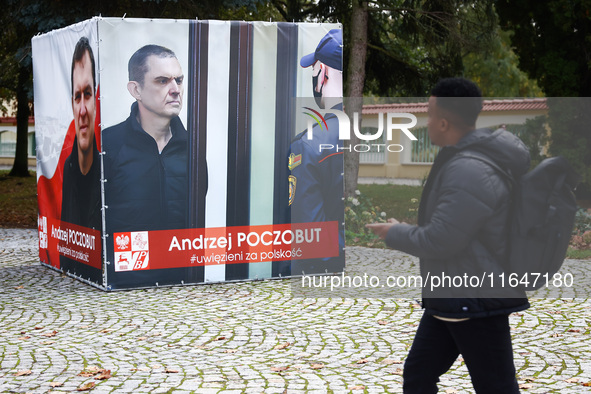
(145, 190)
(463, 216)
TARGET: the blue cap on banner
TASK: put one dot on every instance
(329, 51)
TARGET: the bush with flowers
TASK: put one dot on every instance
(581, 237)
(359, 211)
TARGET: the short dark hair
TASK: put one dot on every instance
(82, 47)
(137, 67)
(459, 96)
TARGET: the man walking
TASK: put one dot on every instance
(462, 230)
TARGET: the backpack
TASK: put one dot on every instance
(541, 220)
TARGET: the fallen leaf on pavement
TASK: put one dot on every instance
(358, 387)
(279, 369)
(382, 322)
(363, 361)
(219, 338)
(49, 334)
(144, 369)
(317, 366)
(86, 387)
(24, 338)
(19, 287)
(526, 386)
(47, 342)
(451, 391)
(388, 361)
(23, 372)
(56, 384)
(103, 374)
(106, 331)
(572, 380)
(282, 346)
(91, 371)
(168, 370)
(142, 338)
(398, 371)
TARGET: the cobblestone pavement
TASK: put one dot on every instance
(56, 333)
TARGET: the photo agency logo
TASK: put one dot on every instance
(326, 121)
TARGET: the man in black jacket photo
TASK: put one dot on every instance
(461, 232)
(146, 156)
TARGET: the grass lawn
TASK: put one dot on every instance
(399, 202)
(18, 201)
(578, 254)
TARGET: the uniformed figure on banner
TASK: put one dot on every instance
(316, 180)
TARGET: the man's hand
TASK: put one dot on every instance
(381, 229)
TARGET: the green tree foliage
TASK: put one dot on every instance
(569, 120)
(535, 136)
(19, 21)
(553, 41)
(496, 71)
(413, 43)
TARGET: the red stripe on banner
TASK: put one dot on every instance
(49, 190)
(77, 243)
(224, 245)
(332, 154)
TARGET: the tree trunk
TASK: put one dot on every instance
(21, 164)
(354, 93)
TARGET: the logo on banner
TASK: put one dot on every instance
(122, 242)
(318, 115)
(388, 123)
(42, 223)
(132, 251)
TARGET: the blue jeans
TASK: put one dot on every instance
(484, 343)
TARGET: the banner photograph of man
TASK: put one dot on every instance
(146, 155)
(81, 198)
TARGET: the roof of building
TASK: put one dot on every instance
(11, 120)
(488, 106)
